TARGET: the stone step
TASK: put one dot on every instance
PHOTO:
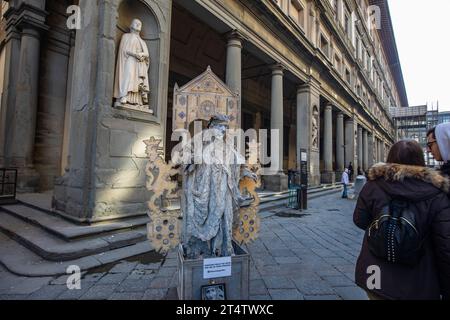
(270, 203)
(67, 230)
(23, 262)
(53, 248)
(268, 197)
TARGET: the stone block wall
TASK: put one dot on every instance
(106, 176)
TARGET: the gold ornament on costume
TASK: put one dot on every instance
(164, 226)
(247, 226)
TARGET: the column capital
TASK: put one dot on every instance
(277, 69)
(234, 34)
(234, 39)
(311, 85)
(328, 106)
(340, 114)
(27, 17)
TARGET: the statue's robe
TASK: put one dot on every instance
(210, 202)
(130, 72)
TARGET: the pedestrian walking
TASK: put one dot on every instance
(350, 171)
(360, 173)
(405, 211)
(345, 181)
(438, 143)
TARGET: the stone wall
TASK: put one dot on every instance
(105, 177)
(53, 75)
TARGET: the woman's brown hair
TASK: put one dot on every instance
(407, 152)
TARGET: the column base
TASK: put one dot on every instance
(338, 176)
(328, 178)
(27, 180)
(277, 183)
(313, 180)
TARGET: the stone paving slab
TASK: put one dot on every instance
(311, 257)
(285, 294)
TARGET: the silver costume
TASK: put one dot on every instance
(211, 198)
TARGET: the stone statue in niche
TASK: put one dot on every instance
(133, 63)
(315, 128)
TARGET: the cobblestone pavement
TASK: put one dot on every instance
(305, 257)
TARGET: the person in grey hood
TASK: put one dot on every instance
(438, 143)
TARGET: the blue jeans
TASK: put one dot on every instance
(344, 194)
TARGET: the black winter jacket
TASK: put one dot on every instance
(427, 191)
(445, 169)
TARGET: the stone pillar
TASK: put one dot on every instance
(276, 109)
(340, 150)
(383, 151)
(105, 176)
(52, 117)
(308, 101)
(360, 149)
(365, 150)
(350, 143)
(277, 181)
(372, 153)
(234, 67)
(24, 126)
(377, 150)
(292, 159)
(24, 22)
(7, 110)
(380, 153)
(328, 174)
(258, 121)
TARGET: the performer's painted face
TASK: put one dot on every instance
(221, 128)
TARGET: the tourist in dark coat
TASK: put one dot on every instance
(438, 144)
(405, 176)
(350, 171)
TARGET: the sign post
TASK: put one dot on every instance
(303, 192)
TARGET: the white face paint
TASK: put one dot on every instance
(221, 128)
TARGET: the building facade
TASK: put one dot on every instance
(444, 117)
(414, 123)
(324, 73)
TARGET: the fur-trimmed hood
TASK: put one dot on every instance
(392, 172)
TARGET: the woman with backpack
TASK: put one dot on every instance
(405, 211)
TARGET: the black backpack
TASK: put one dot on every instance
(393, 234)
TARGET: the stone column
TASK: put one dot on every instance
(308, 100)
(383, 151)
(380, 152)
(328, 174)
(276, 109)
(340, 157)
(350, 143)
(234, 67)
(7, 110)
(258, 121)
(360, 149)
(372, 153)
(277, 181)
(24, 126)
(375, 148)
(365, 151)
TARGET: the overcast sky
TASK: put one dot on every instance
(422, 33)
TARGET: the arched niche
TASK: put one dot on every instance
(152, 34)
